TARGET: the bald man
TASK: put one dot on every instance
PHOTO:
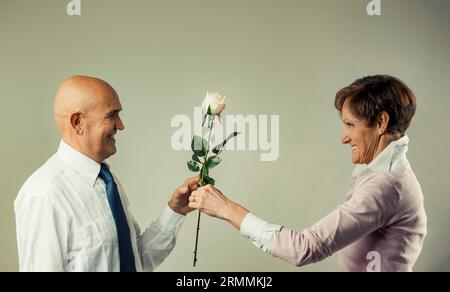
(72, 214)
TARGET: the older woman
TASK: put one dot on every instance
(382, 224)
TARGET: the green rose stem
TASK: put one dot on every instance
(201, 149)
(201, 183)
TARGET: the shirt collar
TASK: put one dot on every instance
(386, 159)
(82, 164)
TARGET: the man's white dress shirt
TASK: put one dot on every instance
(64, 222)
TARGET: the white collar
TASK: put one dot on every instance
(80, 162)
(385, 160)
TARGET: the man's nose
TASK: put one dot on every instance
(120, 126)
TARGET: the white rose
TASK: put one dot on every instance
(216, 101)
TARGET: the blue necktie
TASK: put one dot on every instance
(127, 263)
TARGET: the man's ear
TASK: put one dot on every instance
(383, 122)
(77, 121)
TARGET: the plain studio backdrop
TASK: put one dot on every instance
(270, 57)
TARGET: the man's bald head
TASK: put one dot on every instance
(86, 113)
(80, 94)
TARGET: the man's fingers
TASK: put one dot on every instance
(183, 189)
(193, 182)
(189, 185)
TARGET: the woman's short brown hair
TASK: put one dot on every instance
(371, 95)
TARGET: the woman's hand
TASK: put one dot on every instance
(213, 202)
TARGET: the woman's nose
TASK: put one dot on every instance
(345, 139)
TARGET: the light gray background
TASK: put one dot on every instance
(285, 57)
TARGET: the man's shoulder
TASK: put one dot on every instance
(44, 181)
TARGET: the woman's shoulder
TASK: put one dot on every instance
(380, 183)
(399, 184)
(400, 175)
(382, 179)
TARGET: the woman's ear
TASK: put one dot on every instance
(383, 122)
(77, 122)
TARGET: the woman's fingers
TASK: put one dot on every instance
(200, 198)
(195, 198)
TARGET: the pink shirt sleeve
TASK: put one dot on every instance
(373, 204)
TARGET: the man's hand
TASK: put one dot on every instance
(180, 199)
